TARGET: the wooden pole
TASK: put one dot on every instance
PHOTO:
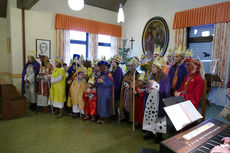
(23, 37)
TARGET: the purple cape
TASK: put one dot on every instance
(181, 74)
(36, 66)
(117, 81)
(104, 95)
(164, 92)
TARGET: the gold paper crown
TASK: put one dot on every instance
(103, 58)
(81, 58)
(117, 58)
(158, 50)
(189, 53)
(180, 51)
(160, 62)
(134, 60)
(91, 80)
(170, 52)
(142, 77)
(81, 69)
(143, 56)
(31, 53)
(78, 60)
(95, 63)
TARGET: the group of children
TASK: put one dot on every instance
(99, 90)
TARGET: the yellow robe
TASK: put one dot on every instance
(76, 93)
(57, 90)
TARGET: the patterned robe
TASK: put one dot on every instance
(155, 116)
(43, 85)
(36, 67)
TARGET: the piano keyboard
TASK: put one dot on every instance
(214, 141)
(199, 139)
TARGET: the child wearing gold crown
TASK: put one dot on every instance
(75, 99)
(90, 99)
(154, 115)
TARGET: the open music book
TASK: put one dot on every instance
(182, 114)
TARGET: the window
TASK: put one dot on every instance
(199, 39)
(104, 46)
(79, 43)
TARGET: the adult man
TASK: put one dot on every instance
(193, 85)
(126, 103)
(104, 86)
(178, 71)
(29, 83)
(43, 86)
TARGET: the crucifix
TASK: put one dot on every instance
(132, 40)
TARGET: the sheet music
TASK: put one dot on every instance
(192, 112)
(177, 116)
(182, 114)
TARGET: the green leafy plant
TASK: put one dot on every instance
(124, 52)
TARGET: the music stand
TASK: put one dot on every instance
(173, 100)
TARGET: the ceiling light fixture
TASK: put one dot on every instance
(120, 15)
(76, 5)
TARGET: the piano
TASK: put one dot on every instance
(199, 139)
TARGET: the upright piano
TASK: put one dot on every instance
(199, 139)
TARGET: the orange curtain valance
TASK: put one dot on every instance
(74, 23)
(204, 15)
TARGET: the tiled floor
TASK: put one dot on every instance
(43, 133)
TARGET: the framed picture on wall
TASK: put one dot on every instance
(155, 34)
(43, 47)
